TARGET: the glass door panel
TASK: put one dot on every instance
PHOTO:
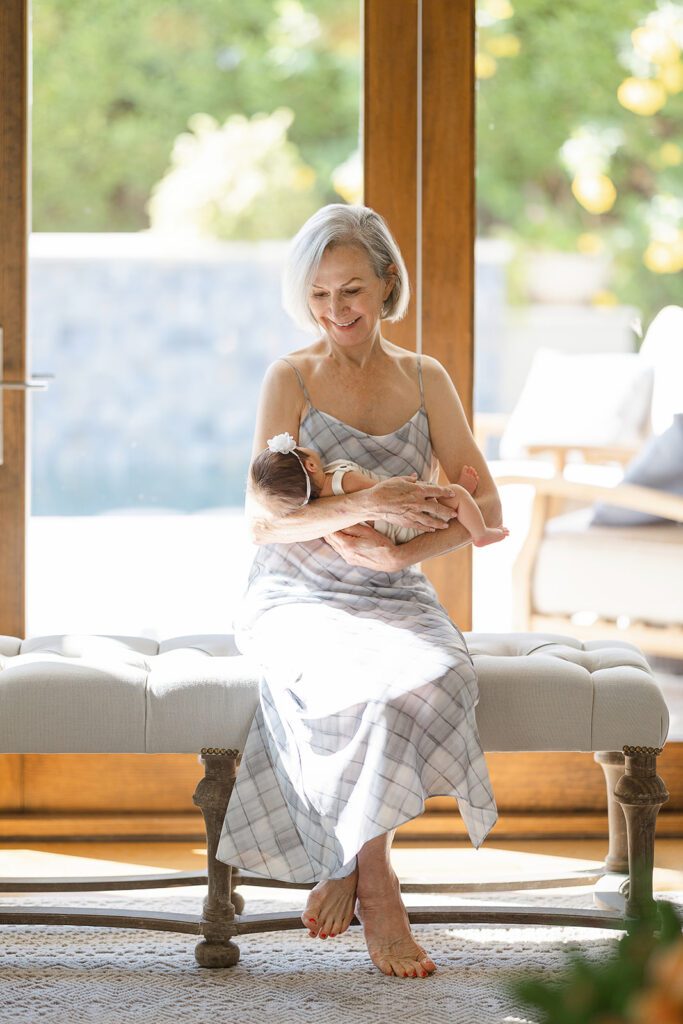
(177, 146)
(579, 209)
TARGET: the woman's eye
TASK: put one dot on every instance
(352, 291)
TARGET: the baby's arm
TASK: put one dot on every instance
(351, 481)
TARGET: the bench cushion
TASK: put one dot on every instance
(118, 694)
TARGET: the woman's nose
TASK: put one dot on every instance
(338, 306)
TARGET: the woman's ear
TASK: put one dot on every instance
(391, 275)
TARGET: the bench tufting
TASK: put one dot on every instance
(116, 694)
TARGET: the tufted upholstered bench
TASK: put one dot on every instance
(117, 694)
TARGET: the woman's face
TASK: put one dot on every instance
(347, 297)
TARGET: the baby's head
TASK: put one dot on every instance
(282, 474)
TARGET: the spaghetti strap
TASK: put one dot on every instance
(419, 377)
(301, 381)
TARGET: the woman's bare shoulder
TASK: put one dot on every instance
(408, 361)
(301, 356)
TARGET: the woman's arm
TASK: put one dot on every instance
(454, 447)
(280, 408)
(452, 439)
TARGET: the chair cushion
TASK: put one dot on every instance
(638, 567)
(82, 694)
(600, 398)
(660, 465)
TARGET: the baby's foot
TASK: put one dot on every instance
(469, 478)
(491, 535)
(330, 906)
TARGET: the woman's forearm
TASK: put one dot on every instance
(312, 521)
(429, 545)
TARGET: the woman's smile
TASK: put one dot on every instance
(347, 325)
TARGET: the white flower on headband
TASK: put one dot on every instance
(283, 443)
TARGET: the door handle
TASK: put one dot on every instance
(37, 383)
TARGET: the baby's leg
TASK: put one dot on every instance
(471, 518)
(469, 479)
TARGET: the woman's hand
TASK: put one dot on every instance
(361, 545)
(406, 501)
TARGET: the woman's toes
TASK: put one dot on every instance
(310, 923)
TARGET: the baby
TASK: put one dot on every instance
(287, 476)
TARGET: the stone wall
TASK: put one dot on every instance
(158, 357)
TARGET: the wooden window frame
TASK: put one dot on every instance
(14, 226)
(419, 143)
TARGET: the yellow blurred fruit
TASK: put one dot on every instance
(671, 77)
(498, 9)
(504, 46)
(655, 45)
(485, 65)
(304, 178)
(589, 243)
(642, 95)
(604, 299)
(595, 192)
(663, 257)
(671, 154)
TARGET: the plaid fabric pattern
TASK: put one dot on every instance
(367, 692)
(337, 469)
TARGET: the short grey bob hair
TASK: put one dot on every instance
(339, 224)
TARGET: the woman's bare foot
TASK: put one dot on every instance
(329, 908)
(469, 479)
(386, 927)
(491, 535)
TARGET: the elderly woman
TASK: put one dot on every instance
(368, 691)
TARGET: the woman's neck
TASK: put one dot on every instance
(356, 357)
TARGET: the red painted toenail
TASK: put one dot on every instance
(313, 920)
(332, 934)
(323, 935)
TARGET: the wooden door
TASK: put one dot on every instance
(419, 174)
(14, 191)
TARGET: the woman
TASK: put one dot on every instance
(368, 691)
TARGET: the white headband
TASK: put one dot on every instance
(284, 444)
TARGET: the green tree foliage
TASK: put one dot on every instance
(116, 82)
(564, 78)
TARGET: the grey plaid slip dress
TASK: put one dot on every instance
(367, 691)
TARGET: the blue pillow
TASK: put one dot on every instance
(660, 465)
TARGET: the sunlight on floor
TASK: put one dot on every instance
(503, 861)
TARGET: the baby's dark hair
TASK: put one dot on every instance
(280, 478)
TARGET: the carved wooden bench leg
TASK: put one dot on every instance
(641, 792)
(612, 764)
(218, 913)
(236, 897)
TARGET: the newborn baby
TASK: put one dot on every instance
(287, 476)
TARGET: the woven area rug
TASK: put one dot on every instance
(69, 975)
